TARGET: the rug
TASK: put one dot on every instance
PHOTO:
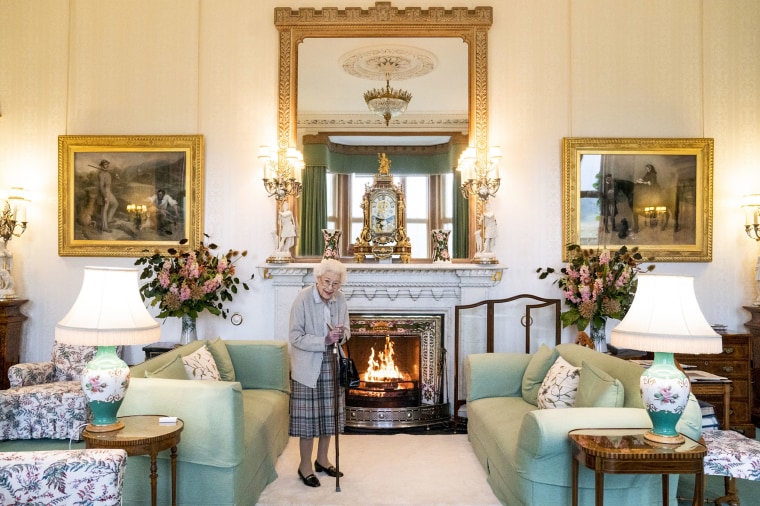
(388, 469)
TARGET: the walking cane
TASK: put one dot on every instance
(336, 366)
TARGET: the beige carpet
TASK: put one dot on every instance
(388, 469)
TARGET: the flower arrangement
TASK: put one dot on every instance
(187, 282)
(597, 284)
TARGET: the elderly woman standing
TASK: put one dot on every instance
(318, 320)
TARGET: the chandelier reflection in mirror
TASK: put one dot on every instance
(282, 180)
(386, 63)
(13, 223)
(387, 102)
(481, 179)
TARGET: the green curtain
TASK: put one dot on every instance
(460, 247)
(313, 211)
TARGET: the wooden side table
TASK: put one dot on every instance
(11, 321)
(142, 435)
(625, 451)
(705, 389)
(156, 349)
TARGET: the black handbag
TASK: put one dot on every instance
(348, 375)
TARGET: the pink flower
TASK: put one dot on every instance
(185, 292)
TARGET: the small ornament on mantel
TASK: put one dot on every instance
(440, 245)
(332, 239)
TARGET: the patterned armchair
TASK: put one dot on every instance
(93, 477)
(45, 400)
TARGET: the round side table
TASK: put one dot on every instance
(142, 435)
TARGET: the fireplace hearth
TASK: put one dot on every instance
(401, 362)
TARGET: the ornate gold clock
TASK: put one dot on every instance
(384, 232)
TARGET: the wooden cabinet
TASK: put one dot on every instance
(11, 320)
(735, 363)
(754, 328)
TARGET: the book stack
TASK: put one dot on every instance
(709, 420)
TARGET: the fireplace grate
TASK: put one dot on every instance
(394, 418)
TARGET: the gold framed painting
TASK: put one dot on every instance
(125, 196)
(654, 193)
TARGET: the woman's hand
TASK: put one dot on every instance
(334, 335)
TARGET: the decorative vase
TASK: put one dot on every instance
(441, 245)
(665, 393)
(598, 334)
(188, 330)
(105, 379)
(332, 237)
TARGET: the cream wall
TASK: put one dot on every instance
(597, 68)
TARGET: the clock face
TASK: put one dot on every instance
(383, 214)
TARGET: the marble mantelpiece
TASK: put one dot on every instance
(433, 288)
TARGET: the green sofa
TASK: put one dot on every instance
(526, 451)
(233, 431)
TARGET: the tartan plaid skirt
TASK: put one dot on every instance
(312, 410)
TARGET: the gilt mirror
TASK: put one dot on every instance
(441, 119)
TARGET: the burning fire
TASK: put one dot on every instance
(384, 368)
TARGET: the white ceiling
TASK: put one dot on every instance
(324, 88)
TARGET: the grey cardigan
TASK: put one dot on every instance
(308, 331)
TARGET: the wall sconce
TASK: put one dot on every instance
(481, 179)
(13, 223)
(137, 213)
(751, 205)
(282, 180)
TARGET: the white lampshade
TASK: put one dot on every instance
(665, 317)
(108, 311)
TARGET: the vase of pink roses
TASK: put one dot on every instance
(185, 282)
(597, 285)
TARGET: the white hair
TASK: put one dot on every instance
(333, 266)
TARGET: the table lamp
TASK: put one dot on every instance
(665, 318)
(107, 313)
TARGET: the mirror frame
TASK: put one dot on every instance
(384, 20)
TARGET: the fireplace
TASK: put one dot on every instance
(395, 290)
(401, 363)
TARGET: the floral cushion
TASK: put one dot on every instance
(731, 454)
(91, 477)
(200, 365)
(560, 386)
(51, 411)
(69, 360)
(31, 373)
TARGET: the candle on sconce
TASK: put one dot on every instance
(264, 159)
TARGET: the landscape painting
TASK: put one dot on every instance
(127, 196)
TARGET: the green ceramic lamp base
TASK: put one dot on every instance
(105, 379)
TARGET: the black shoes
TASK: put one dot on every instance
(309, 481)
(331, 471)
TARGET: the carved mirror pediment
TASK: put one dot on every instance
(384, 22)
